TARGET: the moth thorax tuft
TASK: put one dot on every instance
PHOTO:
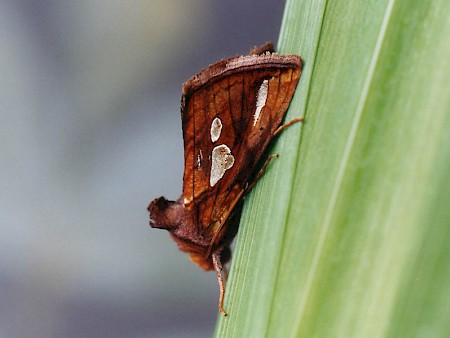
(165, 214)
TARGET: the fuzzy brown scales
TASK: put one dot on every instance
(230, 112)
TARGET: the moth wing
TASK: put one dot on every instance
(229, 114)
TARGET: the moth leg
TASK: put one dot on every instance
(287, 124)
(260, 173)
(271, 157)
(221, 274)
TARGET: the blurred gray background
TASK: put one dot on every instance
(90, 133)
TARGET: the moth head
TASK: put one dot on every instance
(165, 214)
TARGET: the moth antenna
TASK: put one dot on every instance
(260, 173)
(221, 278)
(287, 124)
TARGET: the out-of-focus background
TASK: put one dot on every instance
(90, 132)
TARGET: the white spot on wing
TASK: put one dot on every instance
(261, 99)
(222, 160)
(216, 129)
(199, 159)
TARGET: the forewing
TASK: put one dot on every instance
(229, 114)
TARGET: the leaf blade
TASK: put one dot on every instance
(369, 176)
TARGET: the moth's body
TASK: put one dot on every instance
(230, 113)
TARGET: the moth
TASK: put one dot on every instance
(230, 112)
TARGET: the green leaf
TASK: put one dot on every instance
(348, 232)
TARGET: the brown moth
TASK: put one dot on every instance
(230, 112)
